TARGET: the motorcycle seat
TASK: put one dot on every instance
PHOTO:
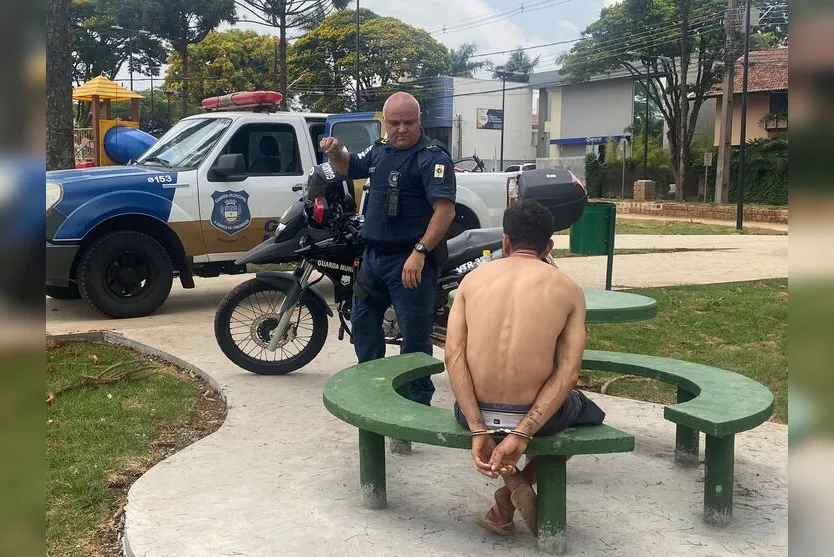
(471, 243)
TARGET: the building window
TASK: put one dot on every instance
(779, 104)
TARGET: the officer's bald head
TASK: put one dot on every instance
(401, 113)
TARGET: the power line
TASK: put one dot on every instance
(494, 18)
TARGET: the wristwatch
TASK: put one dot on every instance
(421, 248)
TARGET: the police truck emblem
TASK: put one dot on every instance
(231, 211)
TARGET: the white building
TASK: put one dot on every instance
(466, 115)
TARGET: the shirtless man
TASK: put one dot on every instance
(514, 346)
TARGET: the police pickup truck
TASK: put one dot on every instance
(214, 186)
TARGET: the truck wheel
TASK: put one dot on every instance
(125, 274)
(63, 292)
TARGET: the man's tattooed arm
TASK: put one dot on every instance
(569, 349)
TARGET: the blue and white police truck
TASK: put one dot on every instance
(214, 186)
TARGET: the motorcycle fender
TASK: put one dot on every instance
(285, 281)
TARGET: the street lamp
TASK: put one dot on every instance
(503, 74)
(742, 146)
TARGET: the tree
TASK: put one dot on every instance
(185, 22)
(290, 14)
(224, 62)
(658, 37)
(59, 149)
(99, 49)
(393, 55)
(518, 68)
(461, 61)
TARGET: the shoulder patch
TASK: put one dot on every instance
(439, 171)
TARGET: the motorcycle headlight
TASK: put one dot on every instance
(53, 194)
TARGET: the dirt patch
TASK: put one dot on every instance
(106, 540)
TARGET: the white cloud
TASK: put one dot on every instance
(432, 15)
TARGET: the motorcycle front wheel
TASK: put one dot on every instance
(246, 317)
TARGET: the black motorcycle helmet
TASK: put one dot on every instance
(326, 194)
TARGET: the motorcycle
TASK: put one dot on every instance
(277, 322)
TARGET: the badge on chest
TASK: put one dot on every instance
(394, 194)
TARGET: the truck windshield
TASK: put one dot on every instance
(186, 144)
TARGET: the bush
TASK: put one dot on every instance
(594, 175)
(766, 172)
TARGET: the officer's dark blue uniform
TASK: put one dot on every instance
(418, 177)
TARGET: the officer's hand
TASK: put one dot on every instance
(413, 269)
(330, 145)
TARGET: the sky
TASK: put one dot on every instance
(493, 25)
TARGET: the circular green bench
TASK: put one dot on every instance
(711, 400)
(718, 402)
(366, 396)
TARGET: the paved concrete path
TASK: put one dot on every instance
(733, 258)
(280, 477)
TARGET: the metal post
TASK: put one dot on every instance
(609, 268)
(357, 55)
(646, 131)
(151, 117)
(503, 117)
(743, 139)
(130, 60)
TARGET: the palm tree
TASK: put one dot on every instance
(461, 61)
(518, 68)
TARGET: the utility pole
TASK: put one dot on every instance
(725, 146)
(743, 131)
(503, 116)
(357, 55)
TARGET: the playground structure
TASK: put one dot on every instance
(109, 142)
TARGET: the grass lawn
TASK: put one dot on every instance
(675, 227)
(741, 327)
(100, 437)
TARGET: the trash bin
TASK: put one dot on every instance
(593, 233)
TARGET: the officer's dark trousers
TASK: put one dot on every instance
(413, 306)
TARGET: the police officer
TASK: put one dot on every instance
(408, 210)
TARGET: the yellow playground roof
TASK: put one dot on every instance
(105, 89)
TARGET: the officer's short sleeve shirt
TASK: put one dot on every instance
(361, 163)
(438, 175)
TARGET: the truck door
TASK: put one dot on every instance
(239, 212)
(357, 132)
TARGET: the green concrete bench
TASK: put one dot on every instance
(368, 397)
(714, 401)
